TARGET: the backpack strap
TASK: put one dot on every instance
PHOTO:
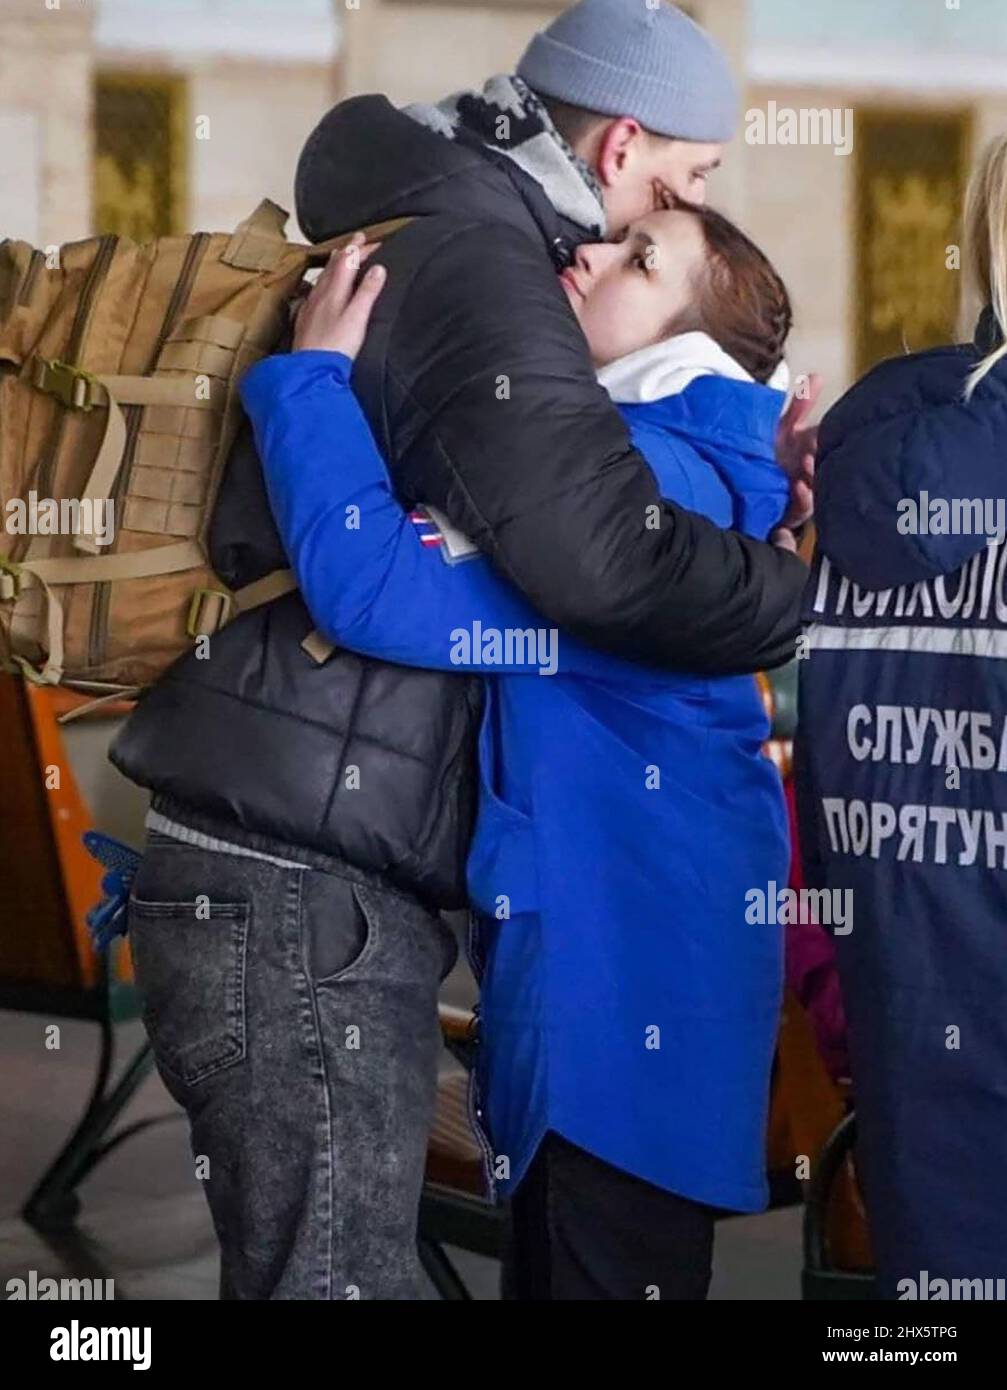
(134, 390)
(375, 231)
(203, 619)
(318, 646)
(259, 243)
(264, 590)
(83, 569)
(274, 585)
(208, 609)
(82, 390)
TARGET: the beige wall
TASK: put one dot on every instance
(45, 104)
(727, 22)
(800, 210)
(259, 116)
(419, 51)
(259, 119)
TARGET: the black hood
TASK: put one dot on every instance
(366, 161)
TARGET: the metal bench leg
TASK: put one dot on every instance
(54, 1201)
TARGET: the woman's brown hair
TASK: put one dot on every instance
(742, 302)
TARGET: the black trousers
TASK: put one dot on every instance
(584, 1230)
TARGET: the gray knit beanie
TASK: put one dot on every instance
(639, 58)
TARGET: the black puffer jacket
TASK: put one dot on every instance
(254, 744)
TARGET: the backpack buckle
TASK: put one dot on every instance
(77, 389)
(203, 622)
(10, 579)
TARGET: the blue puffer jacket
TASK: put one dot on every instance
(624, 812)
(902, 785)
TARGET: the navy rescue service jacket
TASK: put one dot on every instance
(902, 787)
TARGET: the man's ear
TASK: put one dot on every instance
(616, 146)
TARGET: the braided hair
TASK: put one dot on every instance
(742, 303)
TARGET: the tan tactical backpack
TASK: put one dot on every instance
(119, 370)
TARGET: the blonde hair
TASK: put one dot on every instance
(986, 242)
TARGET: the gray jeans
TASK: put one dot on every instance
(293, 1014)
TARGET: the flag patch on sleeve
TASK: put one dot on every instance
(436, 532)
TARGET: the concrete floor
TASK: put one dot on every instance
(144, 1221)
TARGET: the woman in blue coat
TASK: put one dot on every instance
(902, 755)
(628, 1009)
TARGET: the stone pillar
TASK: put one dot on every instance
(46, 64)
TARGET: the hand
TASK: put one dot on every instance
(796, 447)
(663, 197)
(784, 539)
(334, 317)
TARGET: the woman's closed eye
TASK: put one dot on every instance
(645, 255)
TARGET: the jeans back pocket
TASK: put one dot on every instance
(190, 970)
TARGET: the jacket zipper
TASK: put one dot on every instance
(475, 1110)
(77, 334)
(34, 266)
(134, 413)
(475, 1123)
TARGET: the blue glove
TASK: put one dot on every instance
(107, 919)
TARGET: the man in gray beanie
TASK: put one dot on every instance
(325, 804)
(651, 63)
(647, 60)
(616, 101)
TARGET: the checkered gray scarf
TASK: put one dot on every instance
(508, 116)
